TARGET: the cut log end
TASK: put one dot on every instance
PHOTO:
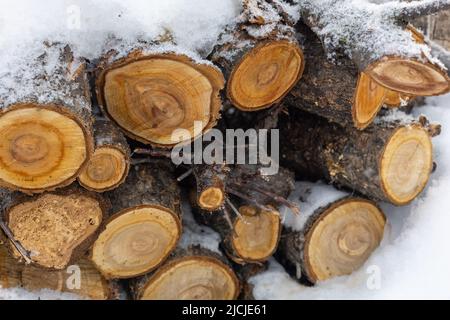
(106, 169)
(52, 226)
(44, 148)
(394, 99)
(152, 97)
(192, 278)
(211, 199)
(257, 234)
(342, 239)
(265, 75)
(410, 77)
(368, 102)
(136, 241)
(406, 164)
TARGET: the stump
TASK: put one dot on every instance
(146, 225)
(45, 121)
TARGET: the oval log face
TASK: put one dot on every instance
(153, 97)
(42, 149)
(369, 98)
(105, 170)
(265, 75)
(136, 242)
(342, 239)
(192, 278)
(406, 164)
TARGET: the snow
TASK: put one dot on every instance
(412, 262)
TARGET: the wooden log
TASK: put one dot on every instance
(397, 61)
(190, 274)
(55, 229)
(146, 224)
(45, 121)
(335, 236)
(91, 284)
(338, 92)
(110, 164)
(211, 183)
(152, 90)
(249, 223)
(389, 161)
(259, 56)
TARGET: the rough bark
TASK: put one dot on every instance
(148, 203)
(358, 160)
(148, 91)
(259, 56)
(110, 164)
(335, 237)
(55, 229)
(190, 274)
(338, 92)
(343, 28)
(45, 121)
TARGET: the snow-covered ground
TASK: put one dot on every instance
(413, 262)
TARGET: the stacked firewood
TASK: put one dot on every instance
(84, 149)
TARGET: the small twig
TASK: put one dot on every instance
(185, 175)
(233, 207)
(244, 197)
(226, 213)
(23, 252)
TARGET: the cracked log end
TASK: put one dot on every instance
(53, 227)
(107, 169)
(257, 234)
(343, 238)
(211, 199)
(136, 241)
(152, 97)
(43, 148)
(410, 77)
(265, 75)
(406, 164)
(192, 278)
(368, 101)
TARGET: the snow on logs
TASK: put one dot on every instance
(45, 124)
(110, 163)
(194, 273)
(54, 228)
(389, 161)
(152, 90)
(146, 224)
(335, 235)
(375, 38)
(259, 56)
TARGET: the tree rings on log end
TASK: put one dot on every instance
(342, 239)
(153, 96)
(265, 75)
(257, 234)
(136, 242)
(107, 169)
(52, 227)
(369, 98)
(410, 77)
(43, 148)
(406, 164)
(192, 278)
(211, 199)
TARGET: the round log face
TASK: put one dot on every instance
(256, 237)
(52, 226)
(42, 149)
(152, 97)
(211, 199)
(265, 75)
(136, 242)
(342, 239)
(105, 170)
(406, 164)
(409, 76)
(368, 102)
(192, 278)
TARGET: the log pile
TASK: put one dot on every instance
(80, 190)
